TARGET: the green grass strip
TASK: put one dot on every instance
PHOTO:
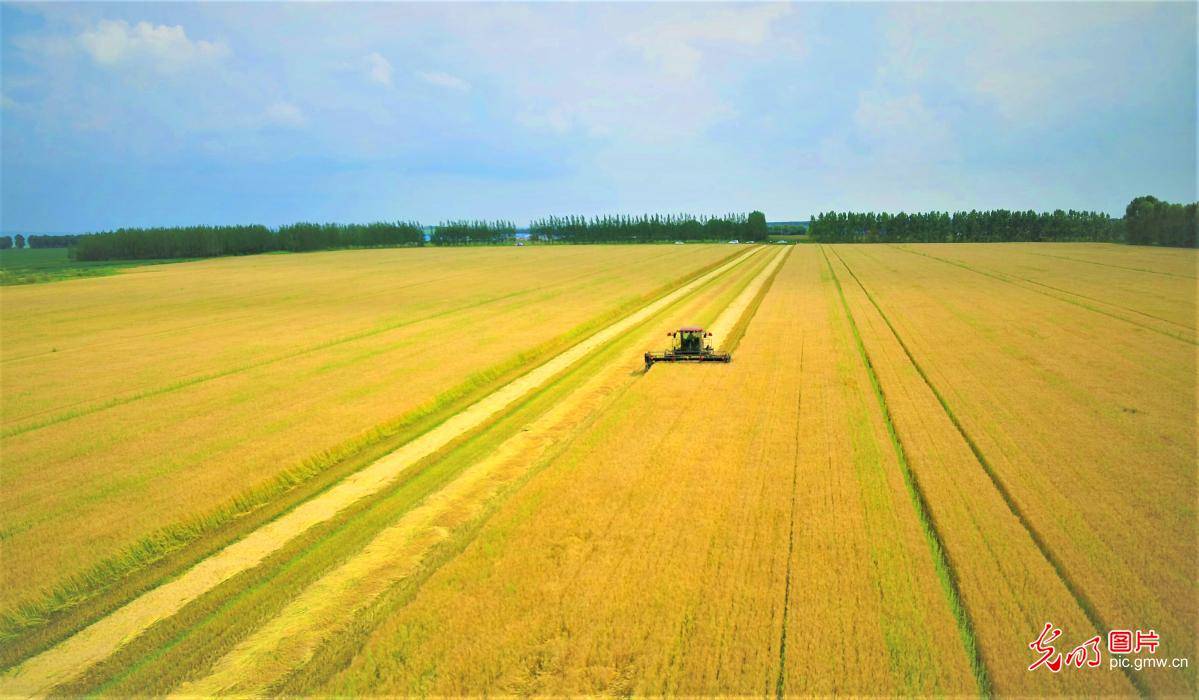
(940, 560)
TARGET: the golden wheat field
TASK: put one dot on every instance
(449, 472)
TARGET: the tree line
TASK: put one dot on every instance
(1147, 221)
(649, 228)
(212, 241)
(1150, 221)
(472, 232)
(36, 241)
(964, 226)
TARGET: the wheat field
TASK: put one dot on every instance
(919, 455)
(142, 400)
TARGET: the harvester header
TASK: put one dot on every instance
(690, 345)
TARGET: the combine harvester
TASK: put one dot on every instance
(689, 346)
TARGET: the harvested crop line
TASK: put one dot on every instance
(397, 555)
(735, 319)
(327, 607)
(1083, 602)
(73, 656)
(1079, 304)
(937, 549)
(780, 683)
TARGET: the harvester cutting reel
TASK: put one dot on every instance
(689, 346)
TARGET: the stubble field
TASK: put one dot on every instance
(446, 472)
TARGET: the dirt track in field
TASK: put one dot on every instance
(290, 639)
(65, 661)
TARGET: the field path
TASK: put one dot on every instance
(290, 639)
(63, 662)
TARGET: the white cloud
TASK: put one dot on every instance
(676, 45)
(445, 80)
(285, 114)
(162, 48)
(378, 69)
(1029, 62)
(902, 129)
(669, 76)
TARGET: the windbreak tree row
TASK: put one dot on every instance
(307, 236)
(212, 241)
(964, 226)
(649, 228)
(472, 232)
(36, 241)
(1150, 221)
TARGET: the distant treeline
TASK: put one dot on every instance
(472, 232)
(36, 241)
(1150, 221)
(1147, 221)
(211, 241)
(964, 226)
(649, 228)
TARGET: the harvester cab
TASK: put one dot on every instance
(690, 345)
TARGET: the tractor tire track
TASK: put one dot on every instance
(61, 663)
(1084, 603)
(273, 652)
(1118, 267)
(1192, 340)
(1077, 294)
(781, 682)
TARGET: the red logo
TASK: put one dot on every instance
(1119, 642)
(1089, 653)
(1086, 654)
(1147, 640)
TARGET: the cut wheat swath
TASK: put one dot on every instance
(58, 664)
(290, 639)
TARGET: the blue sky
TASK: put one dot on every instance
(178, 113)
